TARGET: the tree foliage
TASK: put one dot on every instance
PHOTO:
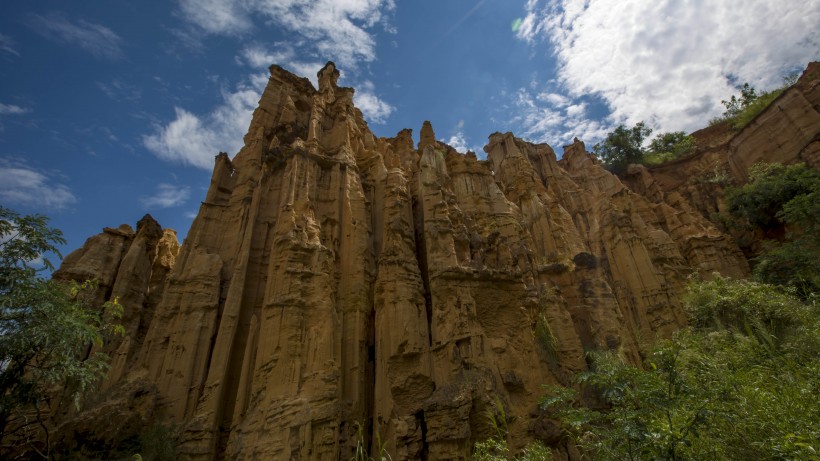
(623, 146)
(778, 198)
(669, 146)
(741, 383)
(49, 333)
(735, 105)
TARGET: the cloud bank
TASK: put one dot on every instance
(670, 62)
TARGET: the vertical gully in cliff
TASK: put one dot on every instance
(421, 260)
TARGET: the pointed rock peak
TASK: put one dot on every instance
(427, 137)
(148, 225)
(577, 147)
(328, 76)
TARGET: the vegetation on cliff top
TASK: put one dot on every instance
(625, 146)
(740, 110)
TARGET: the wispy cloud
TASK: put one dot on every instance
(669, 62)
(23, 185)
(8, 45)
(193, 140)
(11, 109)
(120, 91)
(93, 38)
(167, 196)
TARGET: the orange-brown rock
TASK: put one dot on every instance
(333, 281)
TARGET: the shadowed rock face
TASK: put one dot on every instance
(333, 279)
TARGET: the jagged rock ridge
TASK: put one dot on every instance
(334, 280)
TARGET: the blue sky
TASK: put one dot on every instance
(113, 109)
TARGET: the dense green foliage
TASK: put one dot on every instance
(49, 335)
(669, 146)
(783, 200)
(741, 383)
(624, 146)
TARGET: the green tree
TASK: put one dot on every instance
(735, 105)
(740, 383)
(48, 331)
(783, 202)
(622, 147)
(669, 146)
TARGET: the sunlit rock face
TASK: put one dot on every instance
(334, 281)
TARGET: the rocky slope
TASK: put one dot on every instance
(336, 286)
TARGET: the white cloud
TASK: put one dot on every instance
(167, 196)
(11, 109)
(94, 38)
(458, 142)
(336, 30)
(670, 62)
(373, 108)
(22, 185)
(193, 140)
(217, 16)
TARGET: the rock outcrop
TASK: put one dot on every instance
(336, 286)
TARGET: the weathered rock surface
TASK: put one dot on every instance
(334, 280)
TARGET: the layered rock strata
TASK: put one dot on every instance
(337, 287)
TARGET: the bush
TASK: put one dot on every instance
(741, 383)
(779, 198)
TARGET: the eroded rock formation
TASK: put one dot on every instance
(333, 281)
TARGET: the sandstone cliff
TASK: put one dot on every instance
(333, 281)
